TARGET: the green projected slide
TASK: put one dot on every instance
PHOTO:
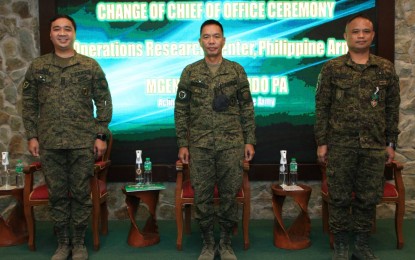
(143, 46)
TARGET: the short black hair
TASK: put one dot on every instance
(360, 15)
(211, 21)
(58, 16)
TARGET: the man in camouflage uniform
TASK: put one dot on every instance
(357, 113)
(59, 93)
(215, 129)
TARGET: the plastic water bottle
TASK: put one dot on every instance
(5, 174)
(148, 171)
(283, 176)
(293, 172)
(19, 174)
(139, 179)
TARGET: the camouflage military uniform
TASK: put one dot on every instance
(357, 111)
(215, 136)
(58, 111)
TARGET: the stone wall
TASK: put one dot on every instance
(405, 67)
(19, 44)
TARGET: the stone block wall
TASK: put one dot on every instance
(19, 44)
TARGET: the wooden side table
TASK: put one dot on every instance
(297, 236)
(149, 235)
(13, 230)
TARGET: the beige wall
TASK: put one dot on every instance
(19, 44)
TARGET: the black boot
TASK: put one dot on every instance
(362, 250)
(341, 246)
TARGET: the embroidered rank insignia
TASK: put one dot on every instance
(383, 82)
(26, 84)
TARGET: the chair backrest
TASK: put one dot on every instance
(184, 168)
(103, 164)
(100, 164)
(391, 172)
(109, 148)
(393, 192)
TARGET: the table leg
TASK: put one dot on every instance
(149, 235)
(297, 235)
(301, 227)
(13, 231)
(151, 223)
(280, 233)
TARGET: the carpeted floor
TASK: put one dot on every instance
(114, 246)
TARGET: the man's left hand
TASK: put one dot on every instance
(390, 154)
(99, 148)
(249, 152)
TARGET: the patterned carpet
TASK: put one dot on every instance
(114, 246)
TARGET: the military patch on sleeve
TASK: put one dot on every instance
(244, 95)
(104, 83)
(183, 95)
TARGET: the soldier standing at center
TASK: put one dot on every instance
(357, 113)
(215, 129)
(59, 94)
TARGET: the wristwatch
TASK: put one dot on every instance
(102, 137)
(390, 144)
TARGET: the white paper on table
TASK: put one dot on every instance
(9, 187)
(291, 187)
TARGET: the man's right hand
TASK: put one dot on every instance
(322, 154)
(33, 146)
(184, 155)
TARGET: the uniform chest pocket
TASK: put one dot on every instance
(82, 85)
(342, 88)
(382, 85)
(46, 88)
(342, 92)
(199, 92)
(229, 88)
(229, 91)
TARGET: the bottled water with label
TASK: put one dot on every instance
(19, 174)
(148, 171)
(293, 172)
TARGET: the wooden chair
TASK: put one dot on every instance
(394, 192)
(35, 196)
(185, 199)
